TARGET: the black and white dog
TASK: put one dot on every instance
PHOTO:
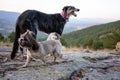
(34, 20)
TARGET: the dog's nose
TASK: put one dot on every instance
(78, 9)
(21, 40)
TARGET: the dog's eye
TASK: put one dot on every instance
(25, 39)
(70, 8)
(34, 35)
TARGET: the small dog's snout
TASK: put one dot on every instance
(21, 39)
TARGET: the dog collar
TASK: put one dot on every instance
(64, 15)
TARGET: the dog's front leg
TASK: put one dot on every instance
(28, 59)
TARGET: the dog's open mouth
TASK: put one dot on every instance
(20, 42)
(73, 13)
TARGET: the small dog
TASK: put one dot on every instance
(54, 36)
(39, 50)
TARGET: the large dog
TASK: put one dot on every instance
(39, 50)
(35, 20)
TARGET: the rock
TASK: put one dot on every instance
(1, 56)
(73, 66)
(2, 72)
(87, 50)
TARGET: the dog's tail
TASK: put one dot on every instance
(15, 45)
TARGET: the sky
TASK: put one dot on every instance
(104, 9)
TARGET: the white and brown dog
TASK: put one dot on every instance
(39, 50)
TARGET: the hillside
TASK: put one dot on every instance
(7, 22)
(99, 35)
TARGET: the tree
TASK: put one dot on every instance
(97, 44)
(1, 37)
(112, 39)
(63, 41)
(11, 36)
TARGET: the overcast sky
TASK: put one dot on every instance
(108, 9)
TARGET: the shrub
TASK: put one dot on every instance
(63, 41)
(1, 37)
(97, 44)
(11, 36)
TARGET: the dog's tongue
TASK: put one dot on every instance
(73, 13)
(20, 43)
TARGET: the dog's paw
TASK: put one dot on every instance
(24, 66)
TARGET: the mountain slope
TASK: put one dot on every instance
(87, 36)
(10, 16)
(7, 22)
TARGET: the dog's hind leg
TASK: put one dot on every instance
(55, 56)
(42, 57)
(33, 26)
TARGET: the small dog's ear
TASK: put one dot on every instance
(28, 31)
(58, 35)
(33, 34)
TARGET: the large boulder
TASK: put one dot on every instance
(118, 47)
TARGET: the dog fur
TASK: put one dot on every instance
(54, 36)
(118, 47)
(34, 20)
(39, 50)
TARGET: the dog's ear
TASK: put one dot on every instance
(33, 34)
(35, 46)
(28, 31)
(58, 35)
(65, 8)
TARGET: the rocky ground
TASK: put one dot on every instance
(78, 65)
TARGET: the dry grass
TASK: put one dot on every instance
(77, 49)
(72, 49)
(4, 44)
(106, 50)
